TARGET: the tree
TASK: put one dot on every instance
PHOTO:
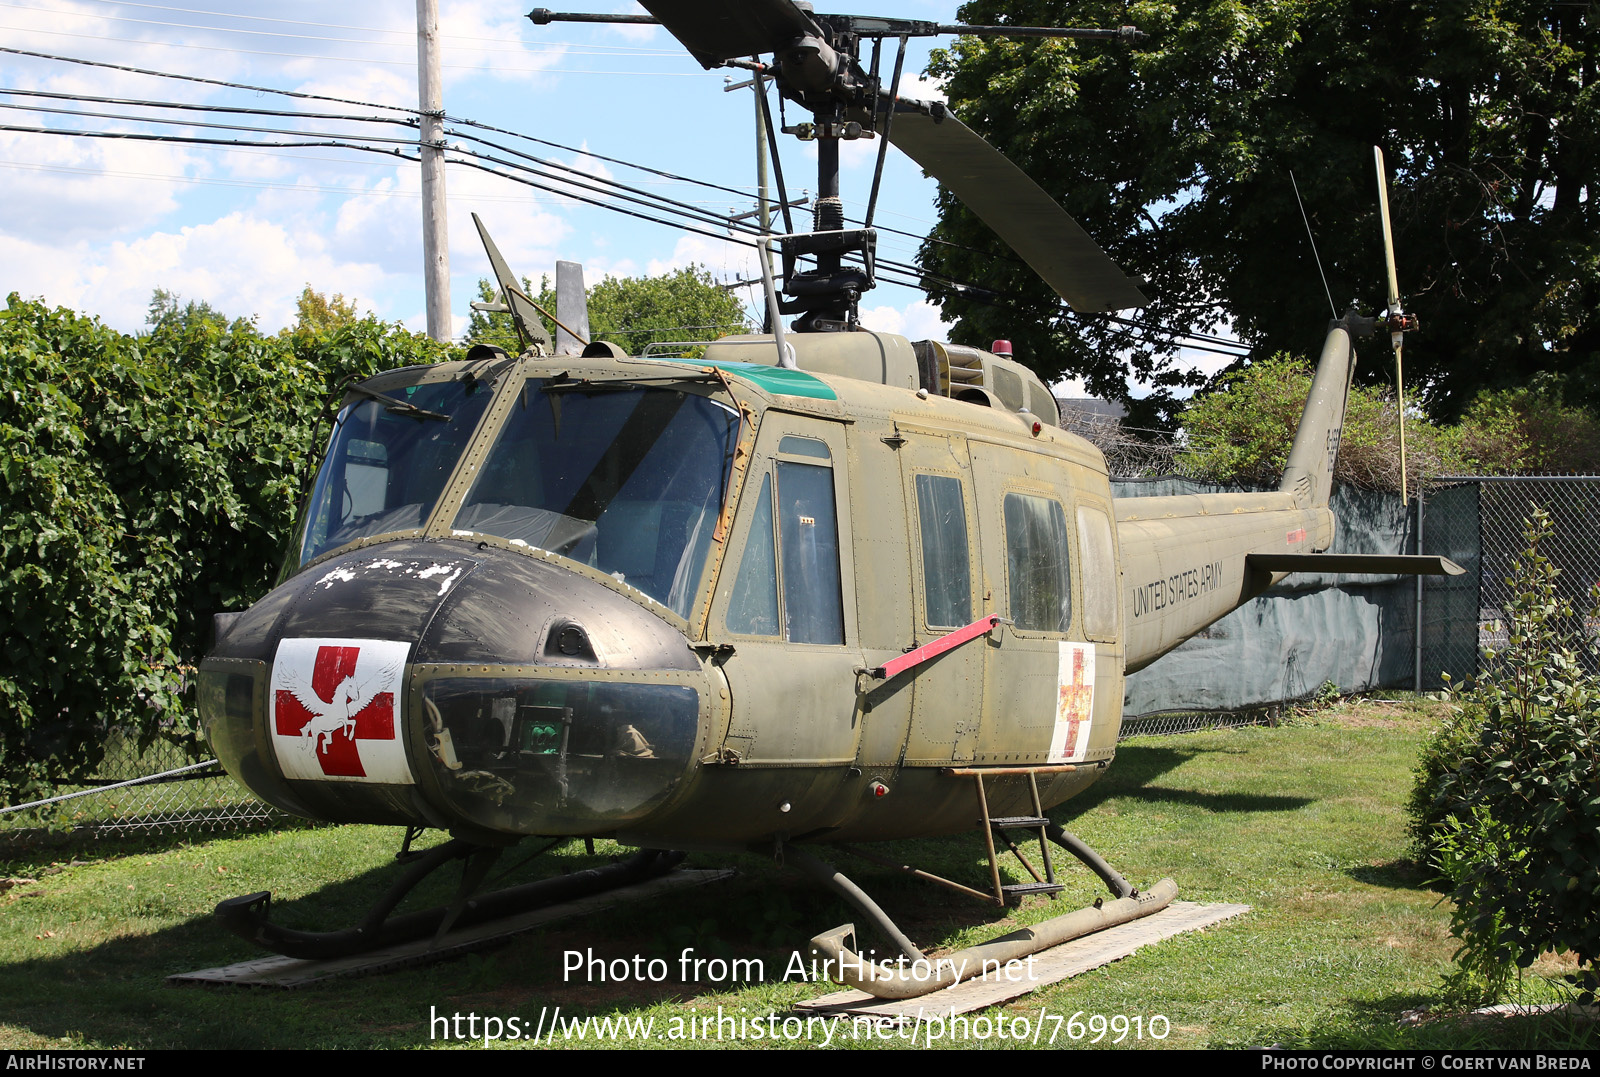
(1176, 155)
(1240, 429)
(632, 312)
(168, 312)
(683, 305)
(315, 311)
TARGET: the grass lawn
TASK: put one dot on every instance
(1302, 822)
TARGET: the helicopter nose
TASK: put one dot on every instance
(464, 687)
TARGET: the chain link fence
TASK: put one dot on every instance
(1171, 722)
(167, 788)
(1480, 522)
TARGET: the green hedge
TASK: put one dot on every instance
(148, 482)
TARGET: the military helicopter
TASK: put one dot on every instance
(821, 586)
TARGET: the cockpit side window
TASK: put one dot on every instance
(754, 608)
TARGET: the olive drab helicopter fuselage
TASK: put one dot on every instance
(817, 587)
(644, 598)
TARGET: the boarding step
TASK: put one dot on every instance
(1019, 822)
(1023, 889)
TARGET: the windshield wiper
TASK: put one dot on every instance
(395, 405)
(561, 384)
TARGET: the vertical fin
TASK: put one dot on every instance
(1309, 472)
(572, 309)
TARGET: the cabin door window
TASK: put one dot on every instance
(946, 570)
(1039, 582)
(789, 581)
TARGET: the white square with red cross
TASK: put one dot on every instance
(1074, 703)
(335, 710)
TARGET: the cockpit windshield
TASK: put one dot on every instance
(390, 457)
(627, 479)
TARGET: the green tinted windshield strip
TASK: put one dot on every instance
(774, 379)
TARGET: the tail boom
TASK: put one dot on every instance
(1187, 558)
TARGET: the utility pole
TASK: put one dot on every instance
(435, 235)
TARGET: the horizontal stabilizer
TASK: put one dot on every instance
(1379, 564)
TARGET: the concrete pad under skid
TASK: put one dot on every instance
(1049, 966)
(289, 972)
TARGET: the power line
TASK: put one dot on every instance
(559, 48)
(192, 106)
(134, 136)
(209, 82)
(340, 59)
(198, 123)
(745, 192)
(410, 33)
(312, 188)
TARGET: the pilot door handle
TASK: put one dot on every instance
(947, 642)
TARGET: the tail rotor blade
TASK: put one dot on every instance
(1388, 233)
(1396, 334)
(572, 309)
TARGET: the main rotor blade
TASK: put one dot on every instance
(718, 30)
(1019, 211)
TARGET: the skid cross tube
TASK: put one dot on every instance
(247, 916)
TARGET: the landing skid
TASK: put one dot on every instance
(915, 974)
(247, 916)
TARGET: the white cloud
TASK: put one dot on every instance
(921, 88)
(725, 259)
(63, 188)
(240, 264)
(917, 320)
(487, 35)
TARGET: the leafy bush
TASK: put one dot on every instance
(1521, 841)
(1427, 811)
(145, 483)
(1532, 428)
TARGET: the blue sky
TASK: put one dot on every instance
(96, 224)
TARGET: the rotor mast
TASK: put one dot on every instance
(817, 65)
